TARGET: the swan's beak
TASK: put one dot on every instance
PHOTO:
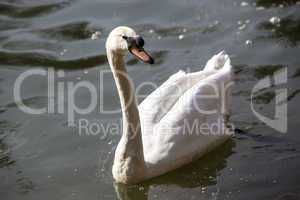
(141, 54)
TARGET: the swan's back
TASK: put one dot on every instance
(172, 117)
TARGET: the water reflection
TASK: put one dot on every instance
(6, 128)
(5, 159)
(126, 192)
(297, 73)
(254, 73)
(151, 30)
(269, 3)
(24, 45)
(25, 185)
(68, 32)
(288, 30)
(293, 94)
(33, 58)
(7, 24)
(201, 173)
(49, 60)
(264, 96)
(17, 10)
(266, 70)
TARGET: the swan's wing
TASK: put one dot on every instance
(160, 101)
(184, 131)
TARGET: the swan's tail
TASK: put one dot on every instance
(217, 62)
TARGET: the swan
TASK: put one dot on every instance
(172, 126)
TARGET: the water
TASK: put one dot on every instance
(43, 158)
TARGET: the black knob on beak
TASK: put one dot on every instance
(139, 41)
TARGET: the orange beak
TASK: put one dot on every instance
(141, 54)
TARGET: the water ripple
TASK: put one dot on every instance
(171, 31)
(270, 3)
(25, 45)
(49, 60)
(70, 31)
(22, 11)
(288, 30)
(9, 24)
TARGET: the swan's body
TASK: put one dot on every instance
(162, 133)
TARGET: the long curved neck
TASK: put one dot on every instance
(130, 144)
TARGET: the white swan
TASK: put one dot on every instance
(162, 133)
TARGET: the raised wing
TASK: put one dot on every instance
(160, 101)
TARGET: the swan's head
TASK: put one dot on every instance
(123, 39)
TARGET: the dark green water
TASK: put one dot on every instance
(43, 158)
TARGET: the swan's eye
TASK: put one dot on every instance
(124, 37)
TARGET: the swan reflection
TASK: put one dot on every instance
(201, 173)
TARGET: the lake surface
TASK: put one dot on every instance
(41, 157)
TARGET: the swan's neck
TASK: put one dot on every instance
(129, 157)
